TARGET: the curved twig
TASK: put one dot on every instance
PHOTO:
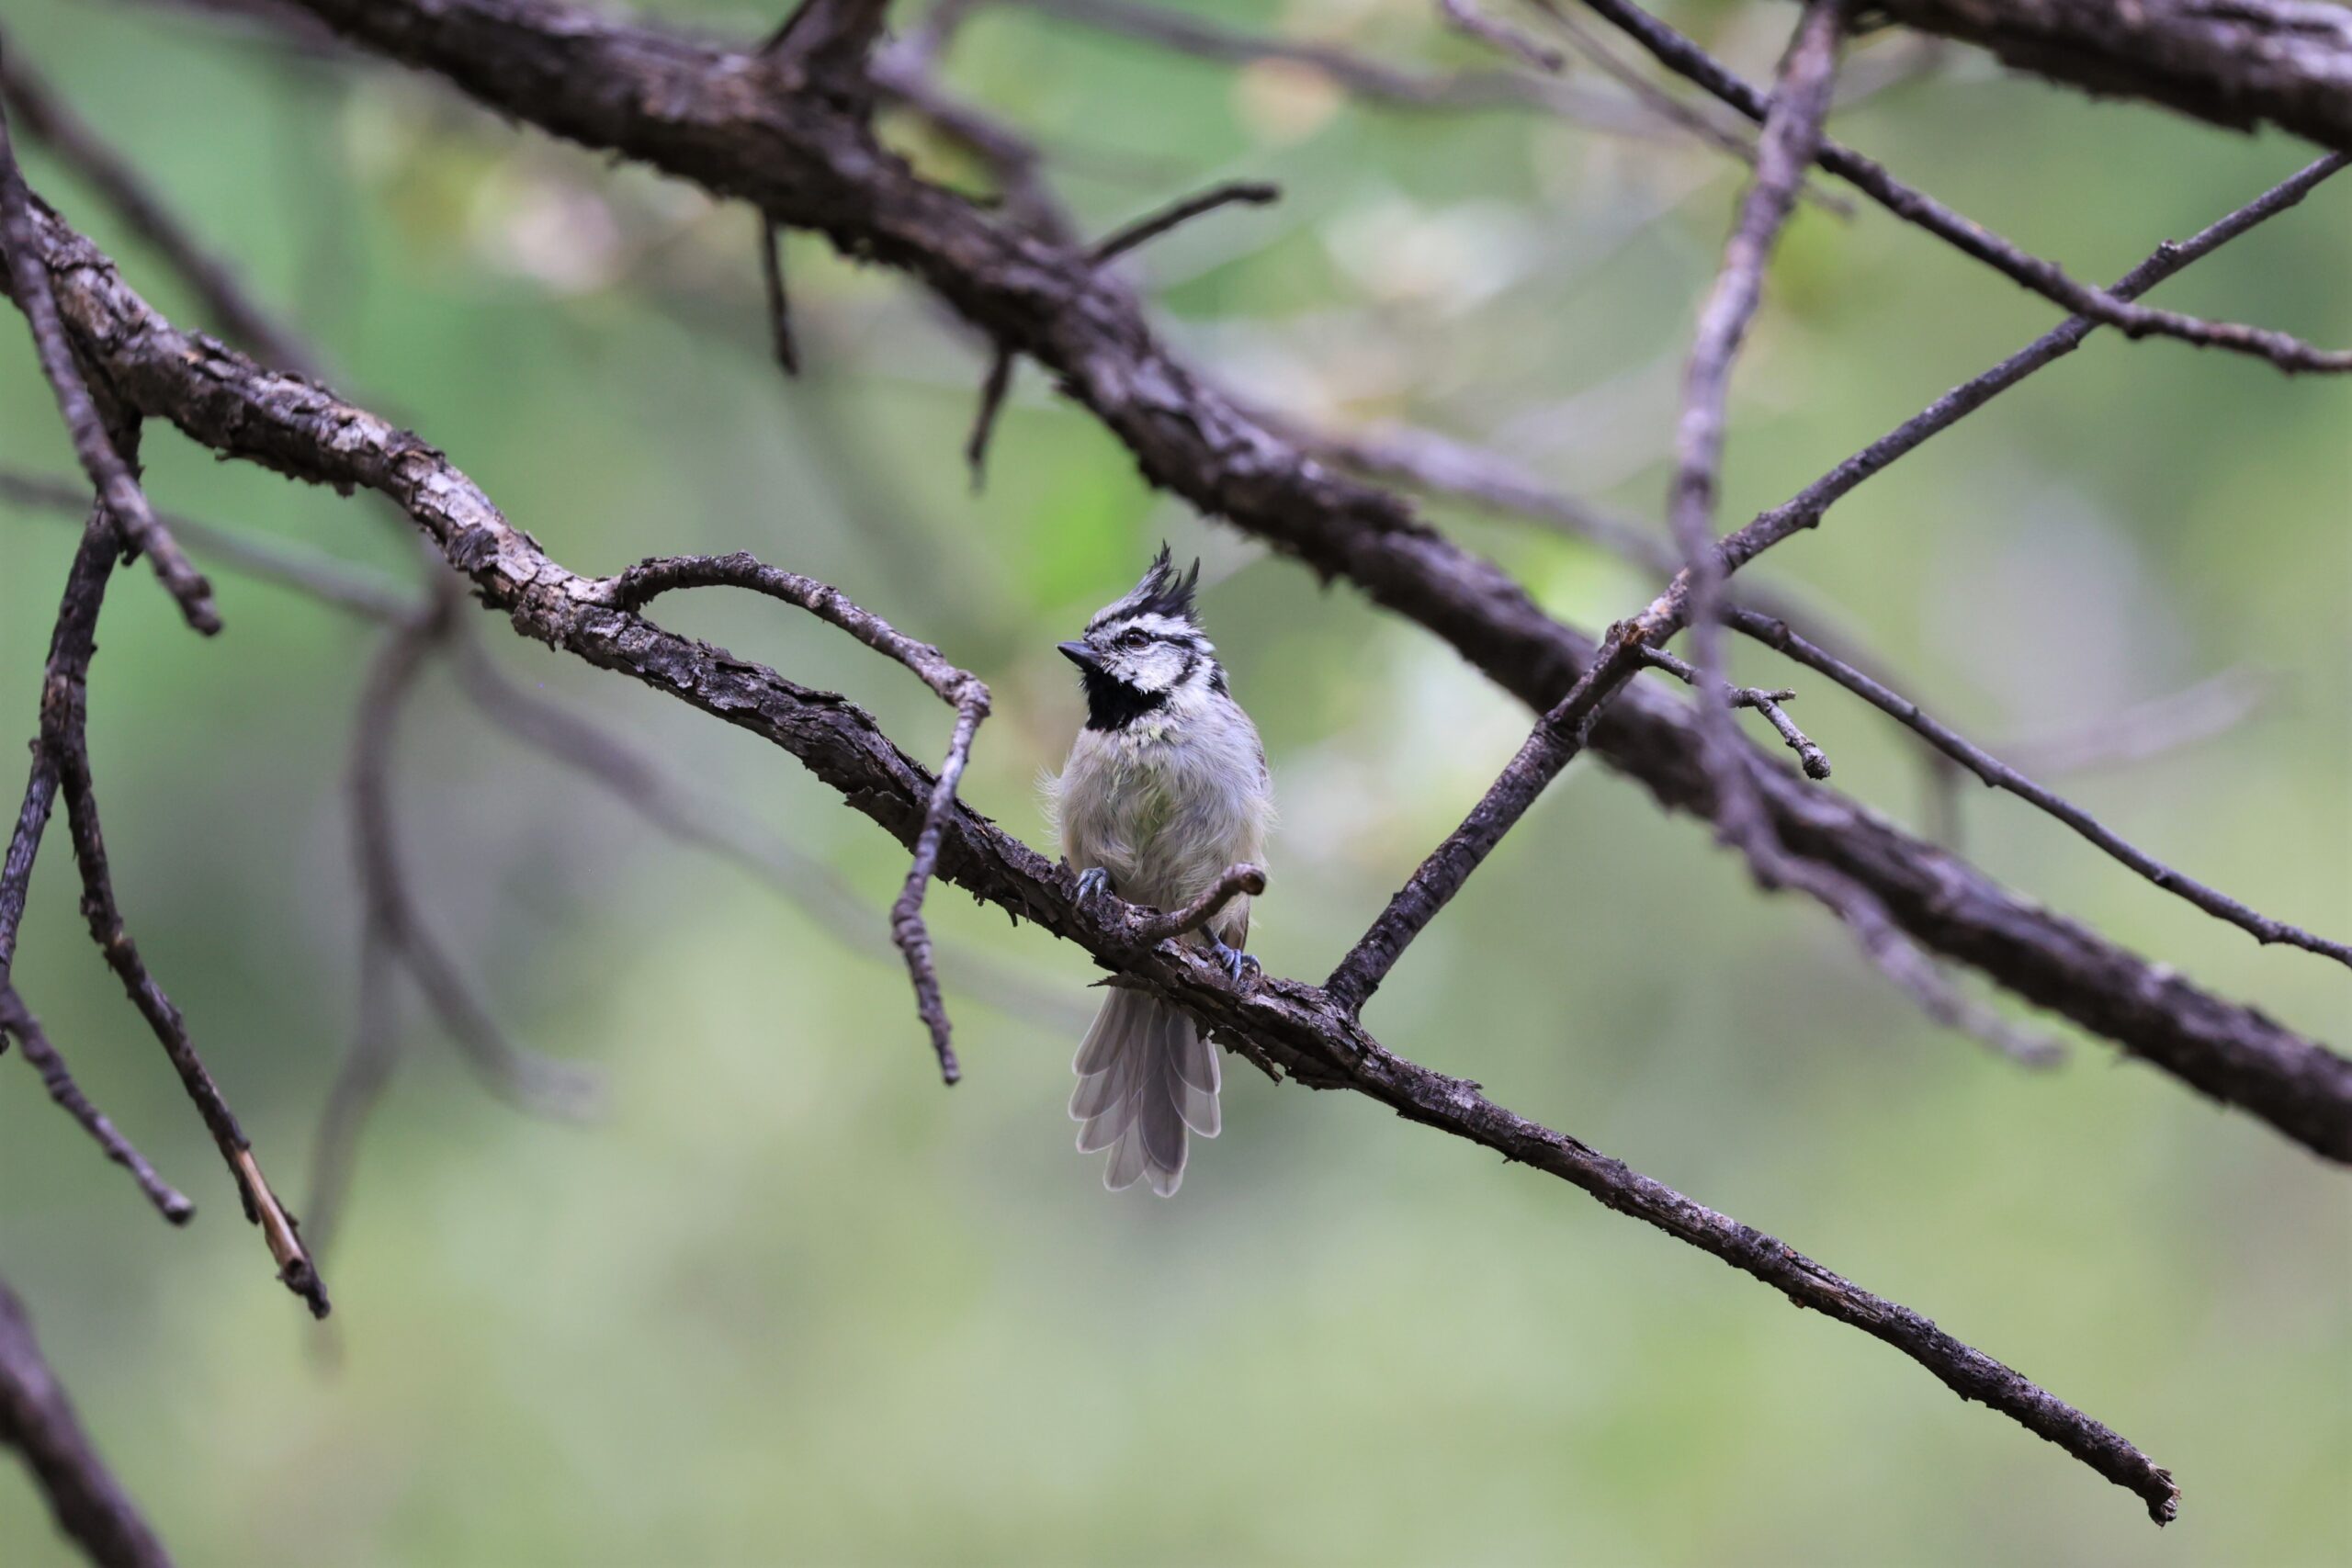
(959, 689)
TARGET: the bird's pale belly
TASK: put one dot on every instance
(1156, 818)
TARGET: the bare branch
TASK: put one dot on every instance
(1804, 509)
(1467, 18)
(38, 1420)
(60, 768)
(1686, 59)
(300, 431)
(2238, 63)
(28, 285)
(2173, 722)
(652, 96)
(295, 1268)
(17, 1019)
(993, 389)
(779, 308)
(1815, 761)
(1792, 134)
(1998, 775)
(316, 575)
(959, 689)
(523, 1078)
(1234, 882)
(1253, 193)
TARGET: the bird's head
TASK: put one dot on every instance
(1143, 649)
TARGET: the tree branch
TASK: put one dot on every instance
(959, 689)
(673, 103)
(29, 286)
(38, 1420)
(2234, 62)
(17, 1019)
(1686, 59)
(227, 402)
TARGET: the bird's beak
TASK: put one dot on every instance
(1081, 655)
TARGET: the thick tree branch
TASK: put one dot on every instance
(228, 403)
(2235, 62)
(687, 108)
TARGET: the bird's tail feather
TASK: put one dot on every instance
(1146, 1075)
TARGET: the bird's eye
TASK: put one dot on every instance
(1131, 640)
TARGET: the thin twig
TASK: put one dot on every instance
(2145, 730)
(29, 286)
(523, 1078)
(958, 688)
(1234, 882)
(779, 306)
(17, 1019)
(1686, 59)
(1466, 17)
(295, 1267)
(993, 389)
(1252, 193)
(1804, 509)
(1998, 775)
(309, 572)
(1814, 759)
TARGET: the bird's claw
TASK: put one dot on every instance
(1235, 963)
(1093, 882)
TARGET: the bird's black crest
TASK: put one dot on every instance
(1164, 590)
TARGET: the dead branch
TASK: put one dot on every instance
(60, 768)
(522, 1077)
(1231, 884)
(38, 1421)
(1144, 229)
(29, 286)
(2234, 62)
(1686, 59)
(654, 96)
(17, 1019)
(959, 689)
(304, 432)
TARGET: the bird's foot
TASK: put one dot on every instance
(1093, 882)
(1235, 963)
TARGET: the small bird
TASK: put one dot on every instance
(1165, 787)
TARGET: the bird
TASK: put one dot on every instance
(1165, 788)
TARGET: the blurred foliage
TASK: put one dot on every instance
(793, 1302)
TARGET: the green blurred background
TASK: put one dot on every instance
(790, 1301)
